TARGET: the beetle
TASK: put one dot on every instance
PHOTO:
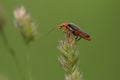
(75, 30)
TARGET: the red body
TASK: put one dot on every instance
(76, 31)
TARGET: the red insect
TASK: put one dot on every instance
(75, 30)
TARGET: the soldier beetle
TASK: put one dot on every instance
(75, 30)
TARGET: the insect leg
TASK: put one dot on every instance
(77, 38)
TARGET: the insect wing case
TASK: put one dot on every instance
(75, 27)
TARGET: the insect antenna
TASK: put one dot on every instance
(50, 31)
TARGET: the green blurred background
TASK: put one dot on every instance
(99, 59)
